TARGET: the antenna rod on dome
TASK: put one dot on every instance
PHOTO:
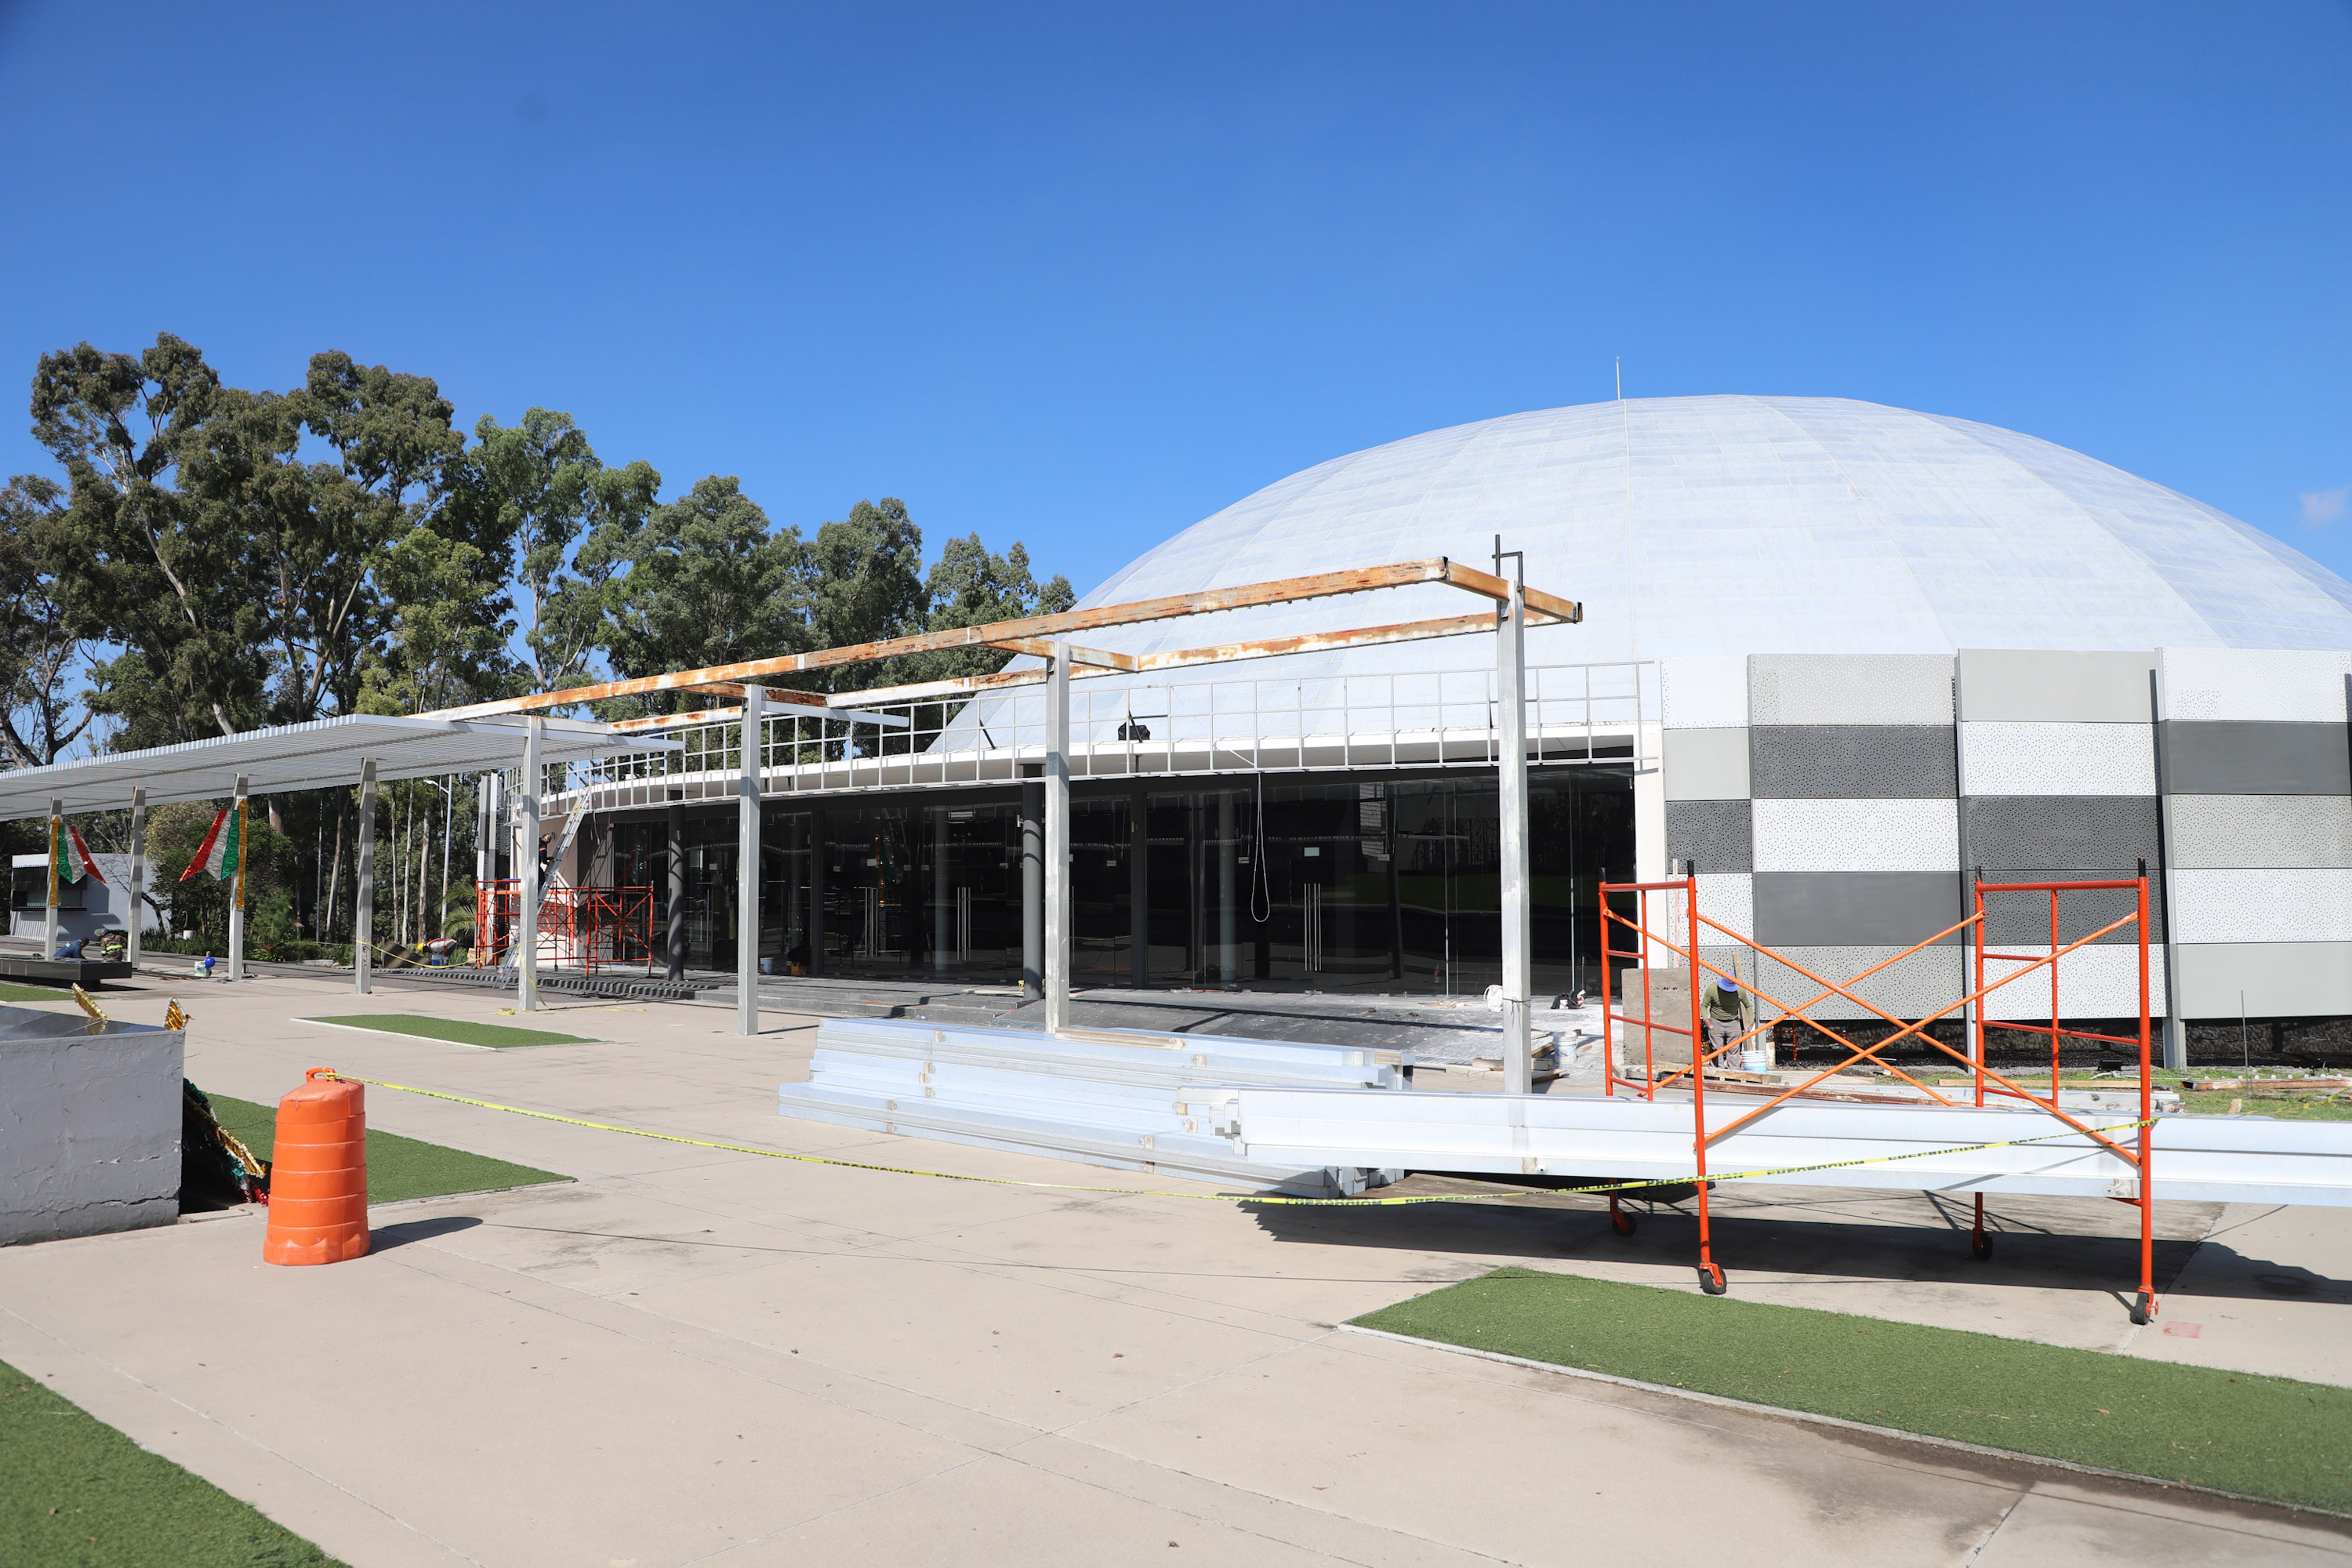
(1620, 378)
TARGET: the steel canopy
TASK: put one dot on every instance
(325, 754)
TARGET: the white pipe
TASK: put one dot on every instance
(1058, 842)
(133, 895)
(363, 885)
(1511, 767)
(49, 920)
(236, 894)
(527, 875)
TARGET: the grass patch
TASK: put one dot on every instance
(74, 1491)
(11, 992)
(2262, 1437)
(495, 1035)
(398, 1168)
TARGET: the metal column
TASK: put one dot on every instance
(527, 874)
(1511, 768)
(674, 964)
(1032, 889)
(49, 920)
(236, 894)
(942, 915)
(363, 883)
(1057, 841)
(134, 895)
(747, 865)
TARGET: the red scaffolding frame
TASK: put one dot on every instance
(1650, 943)
(592, 927)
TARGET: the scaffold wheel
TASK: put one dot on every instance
(1981, 1243)
(2144, 1310)
(1623, 1222)
(1711, 1279)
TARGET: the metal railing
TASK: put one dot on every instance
(1576, 714)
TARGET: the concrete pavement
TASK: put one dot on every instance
(698, 1356)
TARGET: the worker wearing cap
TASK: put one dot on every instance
(1727, 1011)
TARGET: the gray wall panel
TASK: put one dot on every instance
(1850, 689)
(2057, 687)
(1707, 765)
(2280, 979)
(1909, 987)
(1842, 909)
(1717, 833)
(2254, 758)
(1848, 761)
(2023, 920)
(2097, 831)
(2262, 831)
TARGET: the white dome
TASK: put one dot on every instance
(1738, 525)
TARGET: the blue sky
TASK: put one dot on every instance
(1081, 276)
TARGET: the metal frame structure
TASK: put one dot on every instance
(1650, 941)
(1049, 639)
(593, 928)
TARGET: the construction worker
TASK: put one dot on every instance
(1727, 1011)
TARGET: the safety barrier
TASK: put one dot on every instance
(1706, 1048)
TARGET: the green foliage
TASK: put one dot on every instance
(864, 584)
(709, 582)
(967, 586)
(38, 644)
(200, 904)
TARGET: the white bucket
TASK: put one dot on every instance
(1756, 1058)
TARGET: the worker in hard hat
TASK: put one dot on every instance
(1727, 1012)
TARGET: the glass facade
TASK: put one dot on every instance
(1383, 887)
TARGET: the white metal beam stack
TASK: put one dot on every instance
(1129, 1101)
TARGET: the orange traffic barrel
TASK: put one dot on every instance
(317, 1174)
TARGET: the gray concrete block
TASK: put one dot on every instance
(2274, 831)
(1850, 689)
(2254, 757)
(1717, 834)
(2278, 979)
(1707, 765)
(89, 1126)
(1844, 909)
(2103, 833)
(1852, 762)
(2063, 687)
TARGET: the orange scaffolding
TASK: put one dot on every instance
(1649, 943)
(592, 928)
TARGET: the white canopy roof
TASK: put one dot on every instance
(322, 754)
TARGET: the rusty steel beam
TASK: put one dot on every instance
(1180, 658)
(1288, 590)
(1039, 648)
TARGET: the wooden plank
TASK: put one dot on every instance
(1542, 608)
(1287, 590)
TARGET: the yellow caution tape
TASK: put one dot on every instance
(1691, 1180)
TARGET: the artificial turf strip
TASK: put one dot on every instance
(76, 1493)
(2269, 1438)
(398, 1168)
(498, 1035)
(13, 993)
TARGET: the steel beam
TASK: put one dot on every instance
(747, 867)
(363, 886)
(136, 892)
(236, 894)
(1511, 770)
(1058, 842)
(527, 875)
(49, 920)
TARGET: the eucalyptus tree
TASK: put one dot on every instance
(40, 713)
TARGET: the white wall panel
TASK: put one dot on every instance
(2258, 906)
(1857, 835)
(2216, 683)
(1728, 897)
(1707, 765)
(2267, 978)
(1850, 689)
(2057, 759)
(2101, 981)
(1704, 691)
(2254, 831)
(1910, 987)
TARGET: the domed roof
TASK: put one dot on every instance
(1737, 525)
